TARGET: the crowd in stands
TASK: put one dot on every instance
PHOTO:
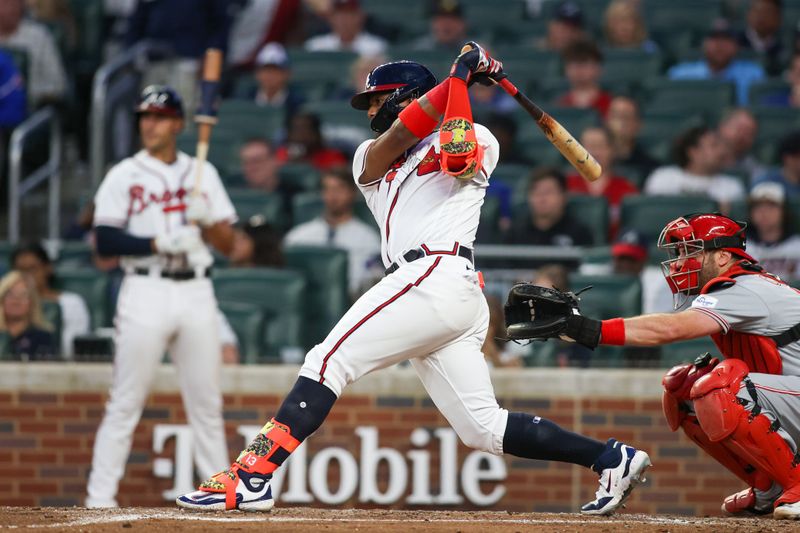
(674, 99)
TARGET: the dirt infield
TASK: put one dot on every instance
(350, 520)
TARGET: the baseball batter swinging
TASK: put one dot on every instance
(742, 411)
(425, 186)
(148, 212)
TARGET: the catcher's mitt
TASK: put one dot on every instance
(534, 312)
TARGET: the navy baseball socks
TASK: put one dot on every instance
(620, 467)
(246, 484)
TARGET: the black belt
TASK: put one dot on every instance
(419, 253)
(177, 275)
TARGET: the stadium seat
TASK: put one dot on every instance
(437, 61)
(489, 229)
(6, 248)
(247, 321)
(630, 66)
(279, 293)
(223, 150)
(659, 129)
(514, 175)
(299, 176)
(320, 67)
(342, 125)
(92, 285)
(597, 255)
(526, 65)
(610, 296)
(687, 351)
(592, 211)
(326, 273)
(308, 205)
(773, 124)
(692, 15)
(75, 254)
(244, 119)
(649, 214)
(766, 89)
(708, 98)
(249, 202)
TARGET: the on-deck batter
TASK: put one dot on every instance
(144, 210)
(426, 196)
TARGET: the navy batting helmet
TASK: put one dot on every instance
(161, 100)
(403, 75)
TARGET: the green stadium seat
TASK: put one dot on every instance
(483, 16)
(52, 315)
(92, 285)
(88, 50)
(245, 119)
(686, 351)
(337, 112)
(525, 65)
(739, 210)
(773, 124)
(75, 254)
(649, 214)
(489, 228)
(597, 255)
(659, 129)
(514, 175)
(279, 293)
(592, 211)
(249, 202)
(611, 296)
(247, 321)
(766, 89)
(437, 61)
(320, 67)
(392, 13)
(223, 150)
(308, 205)
(630, 66)
(708, 98)
(299, 176)
(692, 15)
(327, 296)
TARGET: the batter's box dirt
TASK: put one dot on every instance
(352, 520)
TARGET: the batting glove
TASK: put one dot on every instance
(181, 240)
(198, 210)
(477, 61)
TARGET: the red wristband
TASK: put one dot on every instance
(416, 120)
(438, 96)
(612, 332)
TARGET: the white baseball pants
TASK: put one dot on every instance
(433, 313)
(156, 315)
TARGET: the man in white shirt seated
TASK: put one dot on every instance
(346, 20)
(699, 157)
(338, 227)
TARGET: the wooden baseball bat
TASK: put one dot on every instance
(206, 116)
(578, 156)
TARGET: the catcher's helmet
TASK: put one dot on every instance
(685, 238)
(406, 78)
(161, 100)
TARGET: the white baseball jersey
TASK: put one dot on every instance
(416, 203)
(145, 197)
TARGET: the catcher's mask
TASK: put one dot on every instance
(686, 238)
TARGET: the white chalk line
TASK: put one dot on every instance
(266, 518)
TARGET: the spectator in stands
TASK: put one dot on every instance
(770, 238)
(547, 222)
(189, 27)
(259, 165)
(273, 73)
(490, 99)
(256, 244)
(614, 188)
(497, 351)
(737, 131)
(624, 27)
(29, 334)
(789, 173)
(719, 63)
(505, 129)
(624, 122)
(255, 22)
(583, 67)
(448, 28)
(790, 96)
(698, 154)
(46, 79)
(763, 32)
(304, 144)
(12, 97)
(338, 227)
(346, 20)
(32, 260)
(55, 13)
(565, 28)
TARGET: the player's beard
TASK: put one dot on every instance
(707, 272)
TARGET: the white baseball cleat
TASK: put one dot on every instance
(621, 468)
(787, 511)
(252, 492)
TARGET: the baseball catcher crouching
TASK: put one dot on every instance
(743, 411)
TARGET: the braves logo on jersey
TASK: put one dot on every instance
(141, 200)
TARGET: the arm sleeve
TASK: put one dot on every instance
(732, 307)
(112, 241)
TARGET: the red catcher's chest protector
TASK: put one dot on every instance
(758, 351)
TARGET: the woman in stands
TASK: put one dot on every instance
(32, 259)
(29, 335)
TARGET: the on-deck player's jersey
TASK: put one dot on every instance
(416, 203)
(756, 305)
(145, 197)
